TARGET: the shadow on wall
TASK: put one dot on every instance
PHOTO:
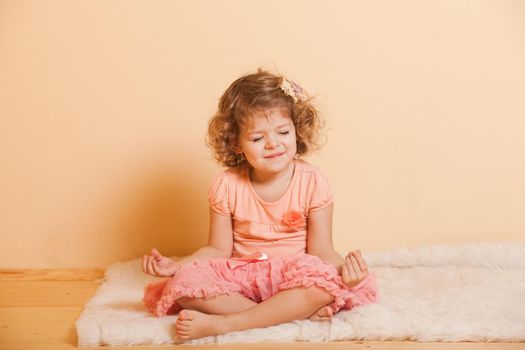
(165, 208)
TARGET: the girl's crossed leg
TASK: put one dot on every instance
(228, 304)
(285, 306)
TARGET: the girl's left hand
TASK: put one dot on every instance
(354, 270)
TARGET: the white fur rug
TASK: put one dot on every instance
(473, 292)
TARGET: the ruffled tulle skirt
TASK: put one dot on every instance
(257, 280)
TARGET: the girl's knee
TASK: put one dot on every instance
(319, 295)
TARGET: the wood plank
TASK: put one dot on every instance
(46, 293)
(51, 274)
(38, 325)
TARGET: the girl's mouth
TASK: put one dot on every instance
(275, 155)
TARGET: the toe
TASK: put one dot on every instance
(181, 332)
(322, 312)
(186, 315)
(320, 319)
(181, 326)
(180, 339)
(184, 324)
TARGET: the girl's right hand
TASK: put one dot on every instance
(158, 265)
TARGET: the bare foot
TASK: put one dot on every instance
(323, 314)
(193, 324)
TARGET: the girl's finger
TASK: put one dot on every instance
(146, 265)
(146, 262)
(351, 272)
(144, 258)
(355, 264)
(344, 274)
(156, 269)
(355, 256)
(150, 266)
(155, 253)
(362, 264)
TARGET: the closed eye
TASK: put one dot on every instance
(257, 139)
(284, 132)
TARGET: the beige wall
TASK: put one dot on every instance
(104, 106)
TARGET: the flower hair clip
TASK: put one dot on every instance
(292, 89)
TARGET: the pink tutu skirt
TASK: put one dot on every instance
(257, 280)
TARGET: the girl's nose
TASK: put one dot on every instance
(270, 143)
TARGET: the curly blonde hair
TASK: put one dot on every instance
(255, 93)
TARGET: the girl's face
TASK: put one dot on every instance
(268, 141)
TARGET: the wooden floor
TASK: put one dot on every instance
(38, 309)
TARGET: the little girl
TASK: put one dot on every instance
(270, 257)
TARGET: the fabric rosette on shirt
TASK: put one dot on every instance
(294, 220)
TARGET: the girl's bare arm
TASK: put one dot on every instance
(352, 268)
(319, 241)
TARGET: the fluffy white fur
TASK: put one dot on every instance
(473, 292)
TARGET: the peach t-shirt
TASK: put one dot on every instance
(273, 228)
